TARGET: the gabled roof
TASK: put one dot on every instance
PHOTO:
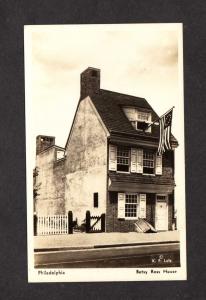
(110, 108)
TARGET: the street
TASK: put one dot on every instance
(156, 255)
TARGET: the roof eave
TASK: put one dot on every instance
(134, 138)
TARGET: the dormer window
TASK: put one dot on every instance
(139, 119)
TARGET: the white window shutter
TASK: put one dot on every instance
(139, 160)
(142, 206)
(121, 205)
(158, 169)
(112, 158)
(133, 160)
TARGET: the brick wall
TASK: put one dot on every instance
(150, 209)
(113, 224)
(170, 210)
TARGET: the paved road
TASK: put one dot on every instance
(158, 255)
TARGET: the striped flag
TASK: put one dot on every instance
(165, 131)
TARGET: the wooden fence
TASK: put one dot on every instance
(56, 224)
(64, 224)
(95, 223)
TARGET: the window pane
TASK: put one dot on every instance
(161, 197)
(131, 205)
(123, 159)
(148, 162)
(122, 168)
(143, 116)
(141, 125)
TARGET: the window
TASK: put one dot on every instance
(143, 116)
(134, 160)
(95, 199)
(143, 119)
(139, 119)
(123, 159)
(161, 197)
(131, 205)
(148, 162)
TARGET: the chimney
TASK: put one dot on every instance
(43, 142)
(90, 82)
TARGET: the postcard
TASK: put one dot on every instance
(105, 152)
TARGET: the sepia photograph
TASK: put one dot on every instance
(105, 153)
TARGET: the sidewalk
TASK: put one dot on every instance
(101, 240)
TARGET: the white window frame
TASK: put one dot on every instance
(127, 157)
(137, 118)
(137, 206)
(154, 162)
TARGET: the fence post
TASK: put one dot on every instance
(87, 221)
(103, 222)
(35, 224)
(70, 222)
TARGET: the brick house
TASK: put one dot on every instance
(110, 163)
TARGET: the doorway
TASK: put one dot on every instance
(161, 213)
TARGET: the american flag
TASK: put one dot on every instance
(165, 131)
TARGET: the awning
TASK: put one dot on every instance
(140, 187)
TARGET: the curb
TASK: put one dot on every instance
(38, 250)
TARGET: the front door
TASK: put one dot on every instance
(161, 213)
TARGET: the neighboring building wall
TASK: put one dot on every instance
(51, 179)
(59, 180)
(86, 163)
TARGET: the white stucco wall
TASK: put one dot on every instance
(50, 200)
(86, 163)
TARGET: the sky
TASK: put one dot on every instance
(139, 60)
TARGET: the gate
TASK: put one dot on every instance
(95, 223)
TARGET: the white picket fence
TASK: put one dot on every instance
(55, 224)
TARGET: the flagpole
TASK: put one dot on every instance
(159, 118)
